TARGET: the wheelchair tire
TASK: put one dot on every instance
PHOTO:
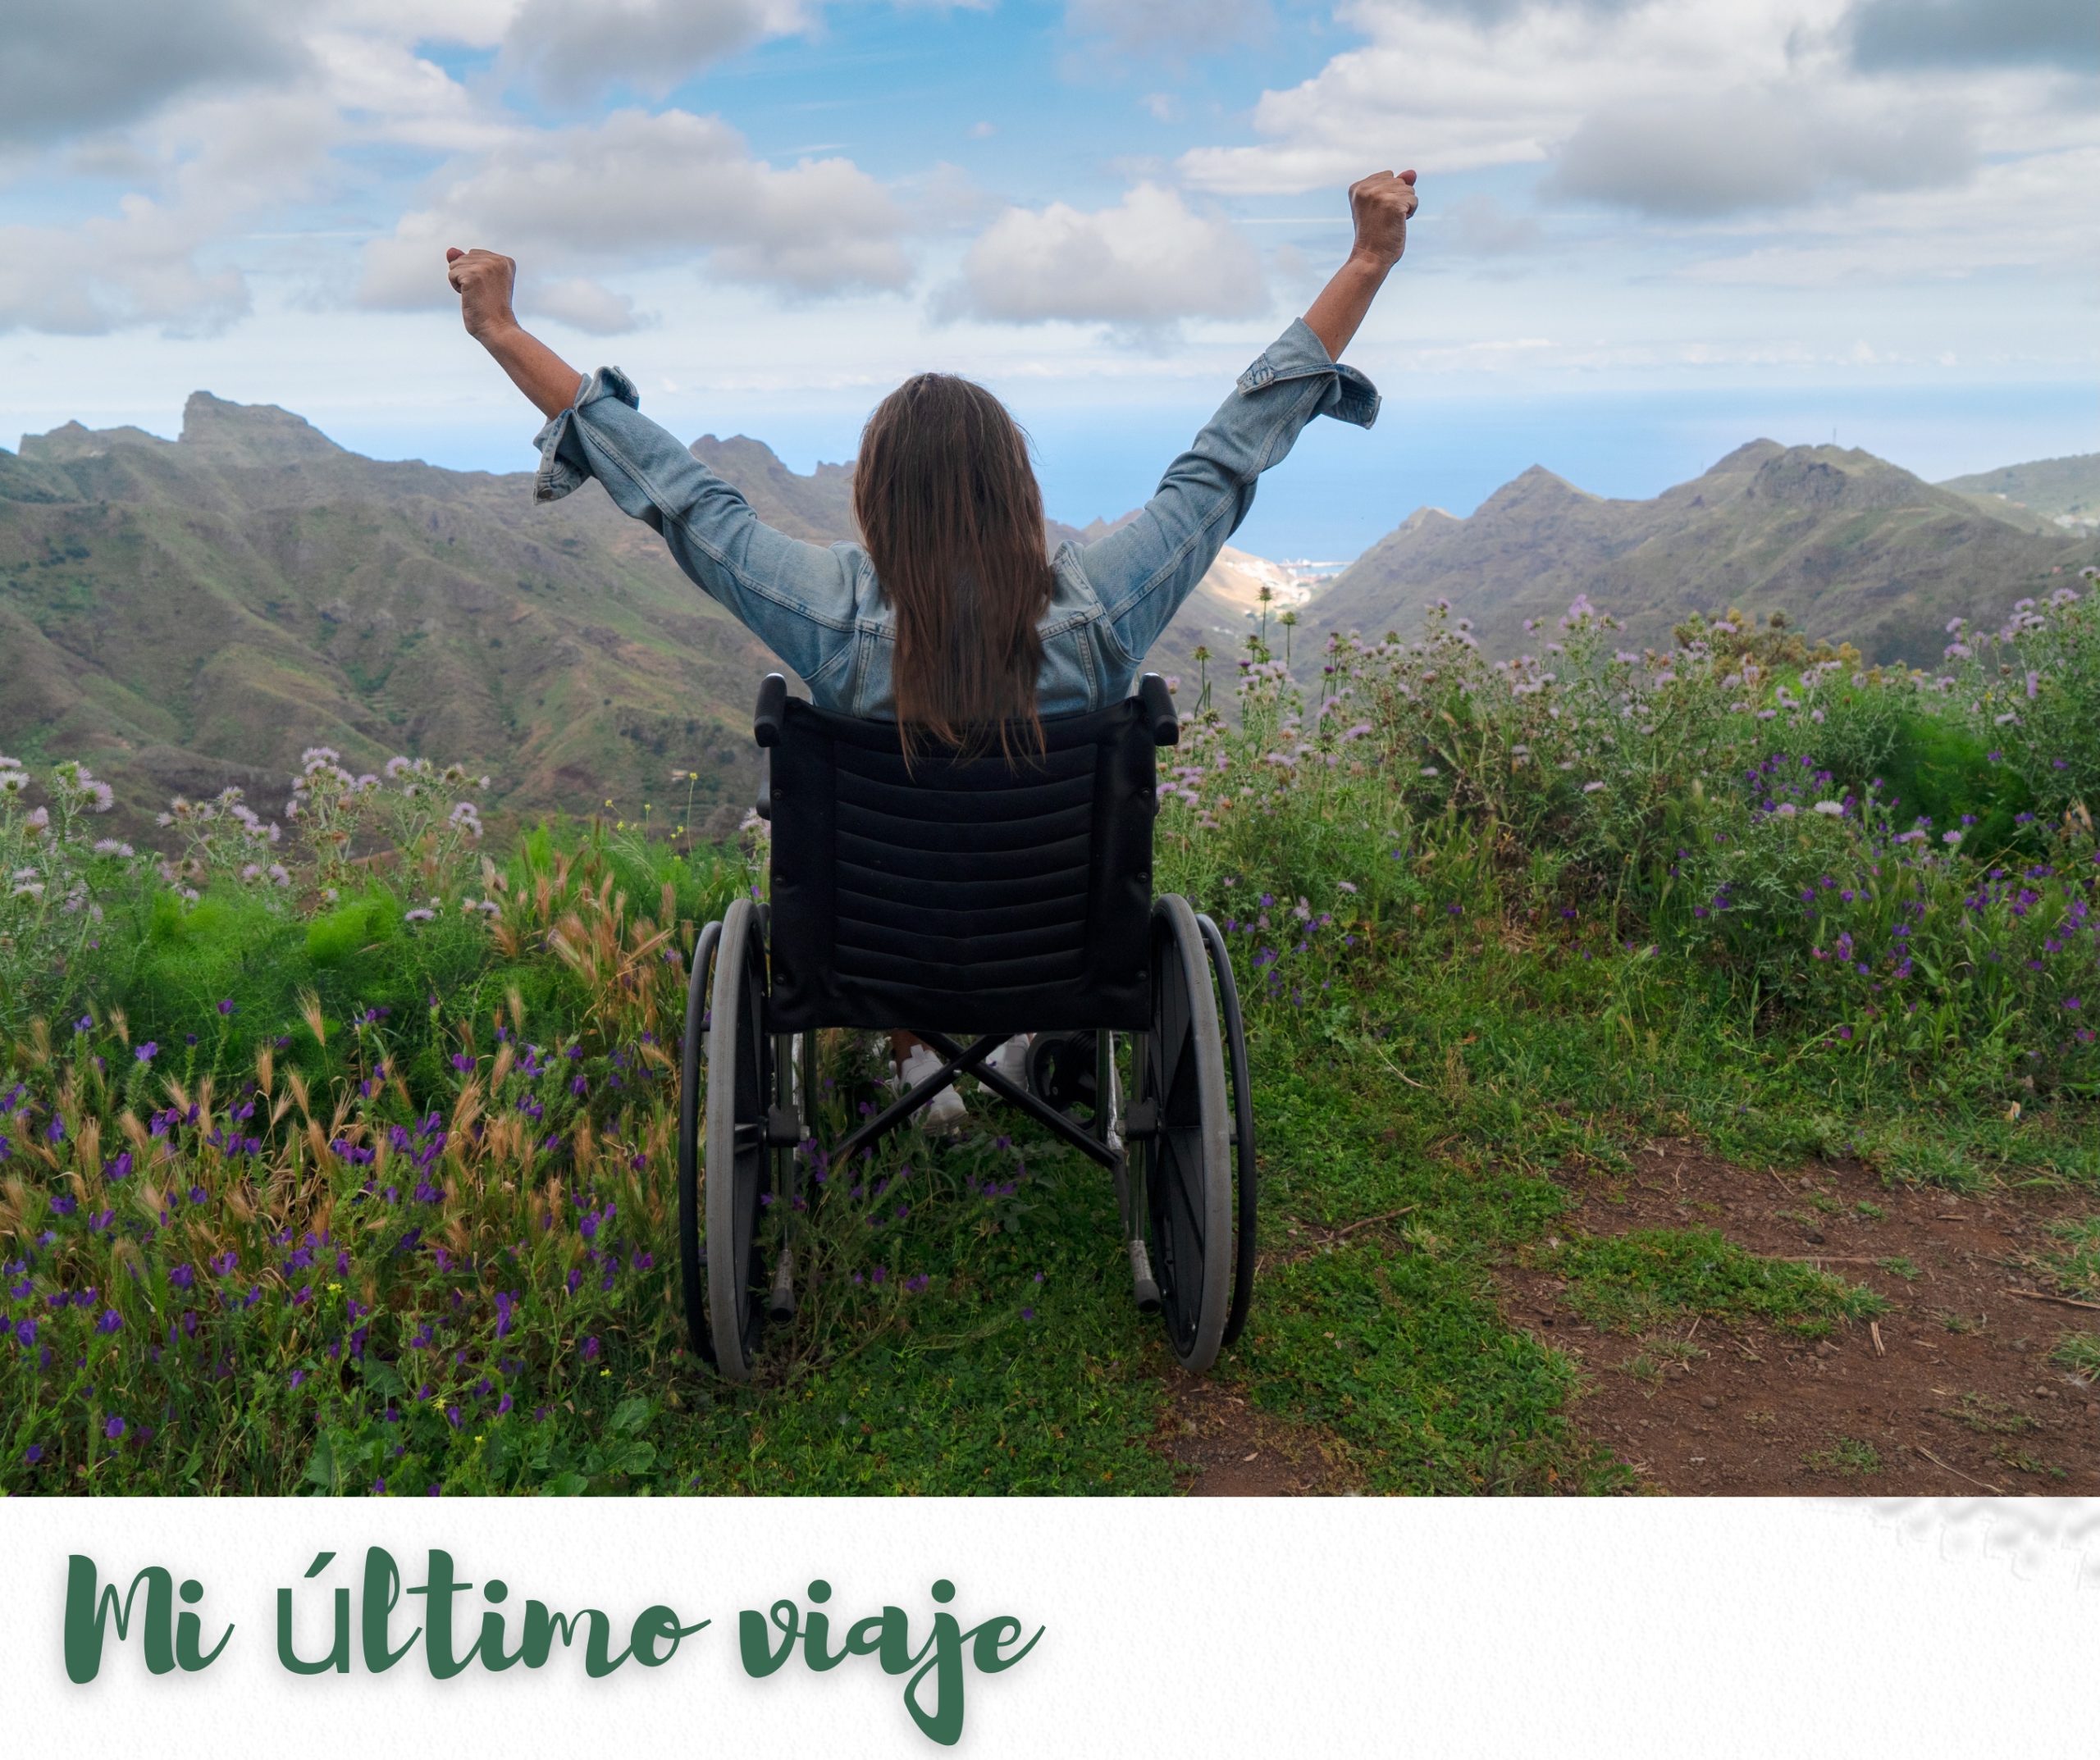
(1187, 1155)
(738, 1162)
(693, 1255)
(1245, 1207)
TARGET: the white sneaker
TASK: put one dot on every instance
(945, 1111)
(1011, 1059)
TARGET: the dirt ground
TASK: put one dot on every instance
(1221, 1447)
(1949, 1392)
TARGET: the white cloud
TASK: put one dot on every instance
(1683, 111)
(1147, 261)
(638, 189)
(587, 305)
(209, 165)
(573, 52)
(1896, 33)
(1713, 152)
(71, 66)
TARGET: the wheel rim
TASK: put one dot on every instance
(1245, 1205)
(1186, 1174)
(692, 1255)
(738, 1091)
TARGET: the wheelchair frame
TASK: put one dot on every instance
(1187, 1201)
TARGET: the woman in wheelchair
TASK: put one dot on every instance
(962, 810)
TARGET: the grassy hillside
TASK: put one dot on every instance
(2053, 488)
(189, 615)
(1847, 546)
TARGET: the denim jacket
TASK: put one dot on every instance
(819, 607)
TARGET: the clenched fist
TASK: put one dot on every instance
(483, 280)
(1381, 204)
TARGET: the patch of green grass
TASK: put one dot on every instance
(2080, 1353)
(1988, 1416)
(1641, 1281)
(1848, 1458)
(2075, 1266)
(1899, 1266)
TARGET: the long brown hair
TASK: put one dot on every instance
(952, 518)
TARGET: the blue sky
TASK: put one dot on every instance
(1651, 229)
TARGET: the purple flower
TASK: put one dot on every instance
(111, 1321)
(462, 1062)
(25, 1333)
(34, 1453)
(298, 1376)
(221, 1265)
(226, 1005)
(1028, 1314)
(114, 1430)
(145, 1053)
(64, 1204)
(118, 1168)
(590, 1349)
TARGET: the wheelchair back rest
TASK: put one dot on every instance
(984, 896)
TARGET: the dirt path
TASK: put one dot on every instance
(1955, 1395)
(1221, 1447)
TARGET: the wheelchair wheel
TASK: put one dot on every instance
(737, 1159)
(693, 1255)
(1244, 1206)
(1188, 1174)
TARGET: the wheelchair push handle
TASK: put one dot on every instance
(772, 709)
(1159, 708)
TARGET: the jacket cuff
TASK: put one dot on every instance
(1297, 354)
(564, 465)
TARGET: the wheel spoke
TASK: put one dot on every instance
(1180, 1187)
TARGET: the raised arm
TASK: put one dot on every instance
(1143, 570)
(1380, 205)
(797, 598)
(483, 280)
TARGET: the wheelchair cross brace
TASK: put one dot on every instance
(960, 1061)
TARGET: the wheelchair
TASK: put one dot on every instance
(968, 898)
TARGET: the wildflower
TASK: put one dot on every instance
(1831, 808)
(114, 1430)
(590, 1349)
(146, 1052)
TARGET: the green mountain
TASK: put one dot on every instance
(1849, 546)
(2059, 490)
(188, 614)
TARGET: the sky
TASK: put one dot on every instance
(1650, 230)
